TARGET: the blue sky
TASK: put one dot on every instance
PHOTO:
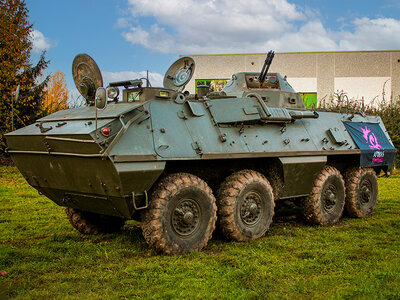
(128, 37)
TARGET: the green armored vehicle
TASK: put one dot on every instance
(184, 164)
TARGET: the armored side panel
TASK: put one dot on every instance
(232, 128)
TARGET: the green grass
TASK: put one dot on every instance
(46, 258)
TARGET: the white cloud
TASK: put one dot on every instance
(224, 26)
(156, 38)
(122, 23)
(210, 26)
(39, 41)
(372, 34)
(155, 79)
(310, 37)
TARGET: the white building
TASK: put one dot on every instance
(368, 75)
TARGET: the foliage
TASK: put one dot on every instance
(45, 257)
(16, 69)
(390, 114)
(56, 94)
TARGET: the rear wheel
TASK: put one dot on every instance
(181, 215)
(361, 192)
(245, 206)
(324, 205)
(91, 223)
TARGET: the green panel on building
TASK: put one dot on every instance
(310, 99)
(215, 85)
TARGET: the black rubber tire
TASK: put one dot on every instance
(275, 179)
(91, 223)
(175, 197)
(361, 203)
(325, 204)
(237, 195)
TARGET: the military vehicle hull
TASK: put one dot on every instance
(72, 168)
(165, 155)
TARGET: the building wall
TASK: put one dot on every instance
(364, 75)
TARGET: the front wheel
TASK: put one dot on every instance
(361, 192)
(91, 223)
(181, 215)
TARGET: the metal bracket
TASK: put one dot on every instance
(43, 129)
(196, 146)
(182, 115)
(146, 203)
(283, 128)
(47, 146)
(222, 136)
(264, 107)
(59, 124)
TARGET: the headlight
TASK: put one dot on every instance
(112, 92)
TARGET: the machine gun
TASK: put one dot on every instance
(266, 66)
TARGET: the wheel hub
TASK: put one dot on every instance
(330, 197)
(186, 217)
(253, 208)
(250, 208)
(366, 191)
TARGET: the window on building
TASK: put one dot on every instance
(310, 99)
(215, 85)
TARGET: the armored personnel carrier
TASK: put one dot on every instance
(185, 163)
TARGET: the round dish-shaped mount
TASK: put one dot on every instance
(87, 76)
(179, 74)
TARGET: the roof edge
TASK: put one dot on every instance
(309, 52)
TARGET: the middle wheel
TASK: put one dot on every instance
(245, 205)
(324, 205)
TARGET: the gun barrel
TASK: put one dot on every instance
(266, 66)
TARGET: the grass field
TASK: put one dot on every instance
(44, 257)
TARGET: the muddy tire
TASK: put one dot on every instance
(325, 204)
(245, 206)
(361, 192)
(90, 223)
(181, 215)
